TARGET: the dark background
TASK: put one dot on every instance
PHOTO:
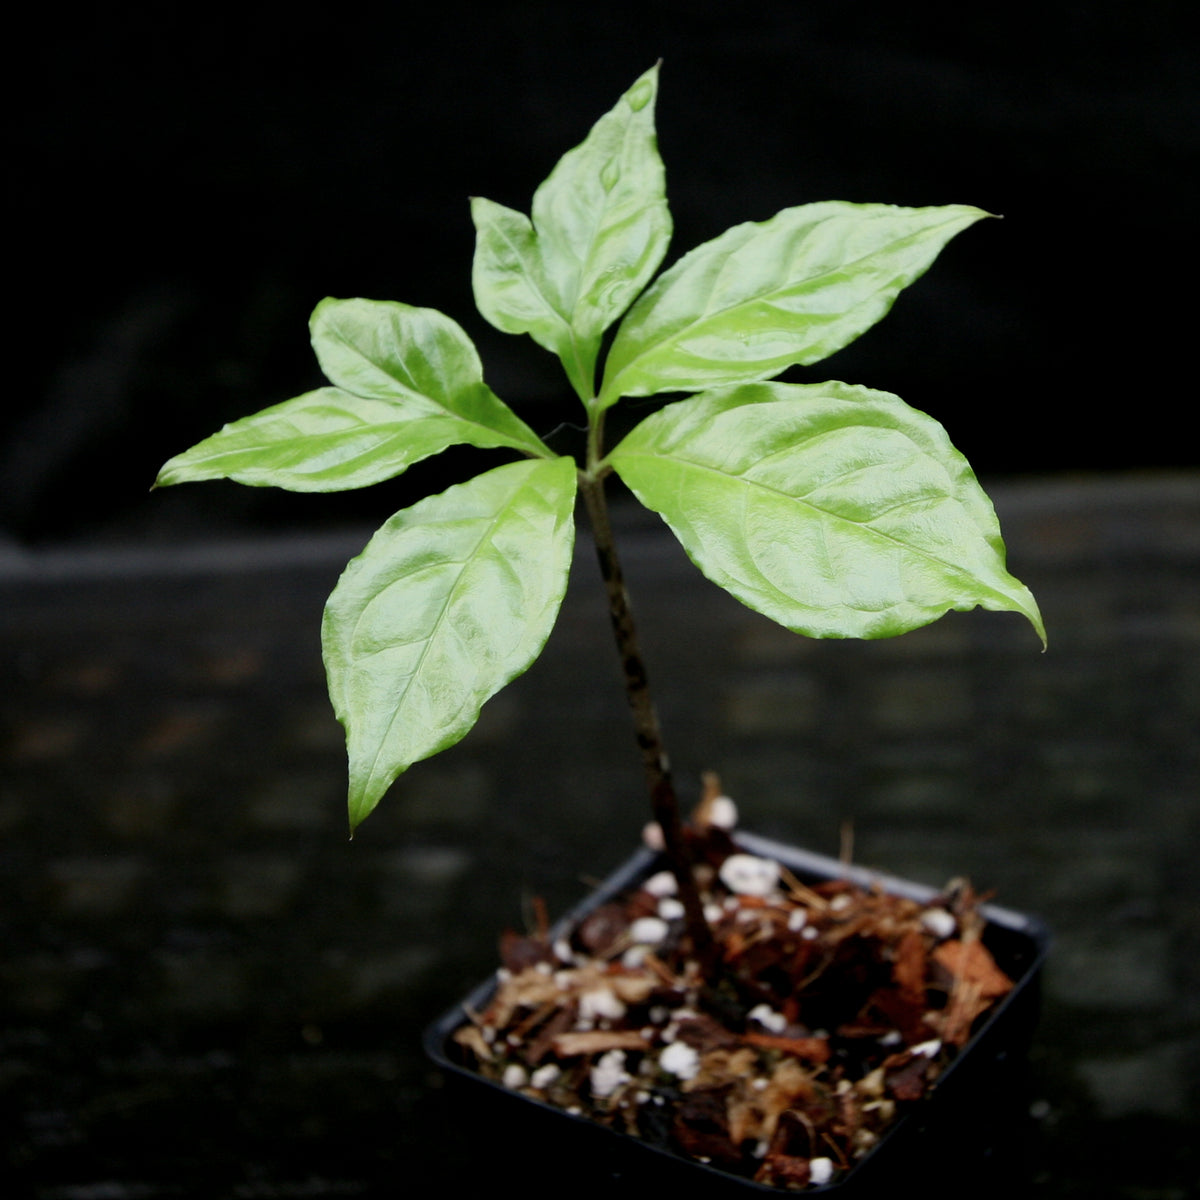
(205, 990)
(188, 184)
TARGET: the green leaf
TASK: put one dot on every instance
(410, 385)
(835, 510)
(764, 296)
(451, 599)
(511, 290)
(323, 441)
(391, 351)
(599, 231)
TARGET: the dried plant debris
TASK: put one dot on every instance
(836, 1008)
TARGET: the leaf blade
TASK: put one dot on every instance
(602, 212)
(511, 290)
(451, 600)
(766, 295)
(383, 349)
(323, 441)
(599, 230)
(835, 510)
(412, 386)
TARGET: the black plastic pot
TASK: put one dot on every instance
(967, 1137)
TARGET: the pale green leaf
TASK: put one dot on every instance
(764, 296)
(835, 510)
(600, 228)
(451, 599)
(510, 284)
(411, 385)
(601, 216)
(390, 351)
(323, 441)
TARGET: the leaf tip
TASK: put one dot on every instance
(165, 477)
(360, 807)
(1034, 616)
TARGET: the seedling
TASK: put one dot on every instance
(834, 509)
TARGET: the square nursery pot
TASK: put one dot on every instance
(966, 1136)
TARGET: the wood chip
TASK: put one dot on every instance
(470, 1038)
(598, 1041)
(808, 1049)
(908, 971)
(972, 962)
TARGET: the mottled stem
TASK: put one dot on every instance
(663, 801)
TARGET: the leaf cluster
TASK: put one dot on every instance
(836, 510)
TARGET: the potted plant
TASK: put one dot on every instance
(689, 1003)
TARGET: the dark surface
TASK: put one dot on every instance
(207, 991)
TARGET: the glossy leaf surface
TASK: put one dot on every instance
(766, 295)
(837, 511)
(599, 230)
(411, 383)
(451, 599)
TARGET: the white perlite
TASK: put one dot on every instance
(749, 875)
(820, 1170)
(939, 922)
(652, 836)
(515, 1076)
(648, 931)
(723, 813)
(608, 1074)
(662, 884)
(768, 1018)
(670, 909)
(681, 1060)
(543, 1077)
(599, 1004)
